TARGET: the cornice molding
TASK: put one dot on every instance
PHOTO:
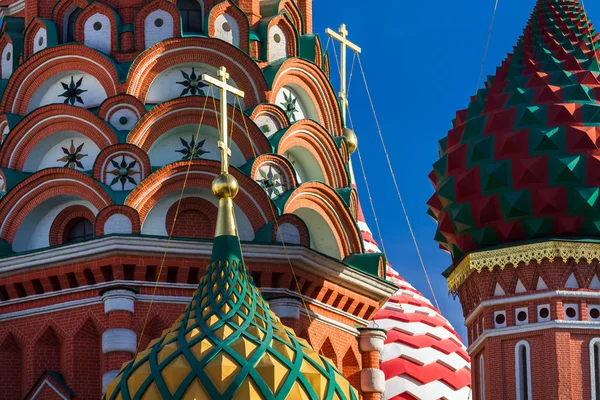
(514, 255)
(12, 9)
(183, 300)
(560, 294)
(302, 257)
(534, 328)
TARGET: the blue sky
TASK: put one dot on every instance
(422, 61)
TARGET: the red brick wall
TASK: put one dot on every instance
(10, 378)
(196, 218)
(87, 382)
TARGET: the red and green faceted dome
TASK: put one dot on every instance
(522, 162)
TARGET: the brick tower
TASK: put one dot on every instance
(518, 207)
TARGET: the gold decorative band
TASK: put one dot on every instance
(514, 255)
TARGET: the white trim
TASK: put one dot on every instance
(281, 75)
(512, 330)
(187, 173)
(114, 108)
(593, 367)
(119, 339)
(322, 146)
(47, 382)
(146, 298)
(12, 9)
(118, 300)
(154, 60)
(45, 120)
(518, 360)
(107, 378)
(51, 308)
(53, 59)
(529, 298)
(46, 183)
(119, 153)
(481, 378)
(301, 257)
(206, 111)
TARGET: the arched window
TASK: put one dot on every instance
(79, 230)
(191, 15)
(595, 368)
(481, 378)
(69, 25)
(523, 370)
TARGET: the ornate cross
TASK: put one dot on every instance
(342, 37)
(225, 89)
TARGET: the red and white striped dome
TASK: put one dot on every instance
(423, 356)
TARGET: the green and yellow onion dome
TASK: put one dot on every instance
(228, 344)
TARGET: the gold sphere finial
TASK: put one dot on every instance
(225, 186)
(351, 139)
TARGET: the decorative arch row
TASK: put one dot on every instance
(43, 209)
(161, 73)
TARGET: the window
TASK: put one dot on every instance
(523, 370)
(481, 378)
(191, 15)
(595, 368)
(78, 230)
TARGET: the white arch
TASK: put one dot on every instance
(518, 361)
(481, 378)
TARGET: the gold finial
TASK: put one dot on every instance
(225, 187)
(342, 37)
(351, 140)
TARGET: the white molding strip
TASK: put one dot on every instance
(12, 9)
(51, 308)
(530, 297)
(534, 327)
(146, 298)
(47, 382)
(119, 339)
(303, 258)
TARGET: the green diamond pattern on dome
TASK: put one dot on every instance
(532, 136)
(228, 344)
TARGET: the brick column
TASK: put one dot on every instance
(305, 7)
(119, 341)
(372, 379)
(288, 310)
(252, 10)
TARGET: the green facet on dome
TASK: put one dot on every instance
(522, 162)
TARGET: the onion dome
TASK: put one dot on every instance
(228, 344)
(522, 161)
(422, 354)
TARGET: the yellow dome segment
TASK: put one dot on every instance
(228, 344)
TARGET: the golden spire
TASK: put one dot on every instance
(225, 187)
(342, 37)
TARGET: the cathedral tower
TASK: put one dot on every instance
(518, 207)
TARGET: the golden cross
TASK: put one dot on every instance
(342, 37)
(225, 89)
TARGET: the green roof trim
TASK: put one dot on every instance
(367, 263)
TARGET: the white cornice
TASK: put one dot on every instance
(531, 328)
(145, 298)
(302, 257)
(12, 9)
(528, 297)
